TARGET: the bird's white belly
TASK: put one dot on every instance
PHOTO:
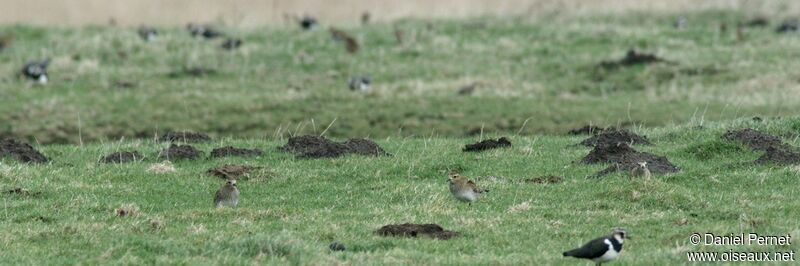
(610, 255)
(467, 196)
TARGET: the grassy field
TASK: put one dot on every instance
(293, 208)
(534, 76)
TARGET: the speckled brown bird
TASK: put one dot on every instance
(641, 170)
(227, 195)
(464, 189)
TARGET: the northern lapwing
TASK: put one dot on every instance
(359, 83)
(227, 195)
(641, 170)
(602, 249)
(464, 189)
(307, 22)
(680, 23)
(148, 34)
(204, 31)
(37, 70)
(231, 44)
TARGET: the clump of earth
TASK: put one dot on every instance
(180, 152)
(232, 151)
(310, 146)
(122, 157)
(416, 230)
(21, 151)
(185, 136)
(488, 145)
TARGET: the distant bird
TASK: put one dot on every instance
(340, 36)
(365, 18)
(680, 23)
(227, 195)
(789, 25)
(399, 35)
(359, 83)
(148, 33)
(5, 41)
(641, 170)
(467, 89)
(463, 189)
(37, 70)
(602, 249)
(204, 31)
(231, 44)
(307, 22)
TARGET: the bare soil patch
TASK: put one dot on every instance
(231, 171)
(416, 230)
(614, 136)
(488, 145)
(180, 152)
(122, 157)
(551, 179)
(21, 151)
(632, 58)
(310, 146)
(233, 151)
(756, 140)
(625, 158)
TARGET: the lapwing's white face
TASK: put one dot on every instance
(619, 234)
(232, 183)
(43, 79)
(643, 164)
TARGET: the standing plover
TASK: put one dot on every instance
(349, 41)
(227, 195)
(602, 249)
(147, 33)
(641, 170)
(359, 83)
(37, 70)
(464, 189)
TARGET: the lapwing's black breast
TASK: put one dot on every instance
(616, 244)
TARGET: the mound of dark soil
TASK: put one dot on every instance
(757, 22)
(185, 136)
(22, 192)
(232, 151)
(624, 157)
(122, 157)
(231, 171)
(656, 164)
(415, 230)
(589, 130)
(631, 58)
(615, 136)
(21, 151)
(754, 139)
(192, 72)
(779, 155)
(545, 180)
(180, 152)
(310, 146)
(488, 145)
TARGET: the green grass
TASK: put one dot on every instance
(293, 208)
(537, 75)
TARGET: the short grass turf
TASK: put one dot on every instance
(533, 75)
(292, 209)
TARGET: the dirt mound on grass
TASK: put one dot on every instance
(488, 145)
(754, 139)
(231, 171)
(310, 146)
(185, 136)
(589, 130)
(415, 230)
(21, 151)
(194, 72)
(614, 136)
(631, 58)
(122, 157)
(232, 151)
(544, 180)
(180, 152)
(624, 158)
(779, 155)
(22, 192)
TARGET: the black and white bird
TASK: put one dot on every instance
(602, 249)
(359, 83)
(37, 70)
(204, 31)
(307, 22)
(148, 34)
